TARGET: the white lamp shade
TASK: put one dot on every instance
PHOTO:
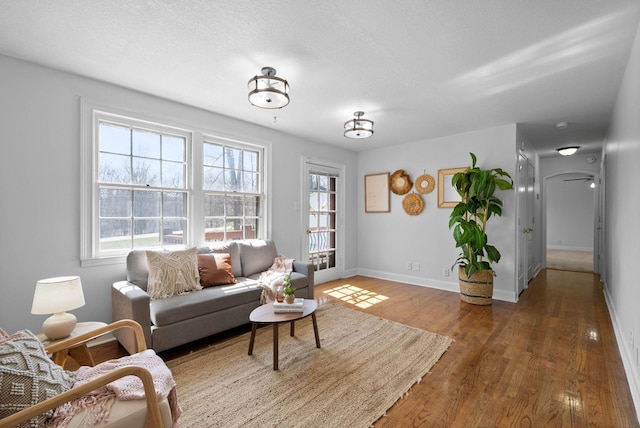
(55, 296)
(58, 294)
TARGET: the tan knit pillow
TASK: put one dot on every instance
(172, 273)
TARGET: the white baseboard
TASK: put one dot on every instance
(409, 279)
(450, 285)
(633, 378)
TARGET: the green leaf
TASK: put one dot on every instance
(492, 253)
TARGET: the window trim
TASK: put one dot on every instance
(194, 180)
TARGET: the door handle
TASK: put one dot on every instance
(527, 230)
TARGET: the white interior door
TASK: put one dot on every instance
(323, 220)
(522, 213)
(530, 225)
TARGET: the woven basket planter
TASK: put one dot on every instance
(478, 289)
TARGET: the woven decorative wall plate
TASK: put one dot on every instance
(425, 184)
(399, 182)
(413, 204)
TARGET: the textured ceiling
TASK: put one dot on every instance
(419, 69)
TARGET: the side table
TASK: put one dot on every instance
(264, 315)
(79, 353)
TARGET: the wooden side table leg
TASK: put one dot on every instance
(292, 328)
(60, 357)
(315, 329)
(275, 346)
(253, 337)
(82, 355)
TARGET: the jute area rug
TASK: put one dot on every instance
(364, 366)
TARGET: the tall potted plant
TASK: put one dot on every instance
(477, 188)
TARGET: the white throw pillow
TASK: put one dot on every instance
(172, 273)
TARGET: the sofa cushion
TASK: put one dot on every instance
(230, 247)
(172, 273)
(256, 255)
(205, 301)
(215, 269)
(28, 376)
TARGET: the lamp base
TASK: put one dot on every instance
(59, 325)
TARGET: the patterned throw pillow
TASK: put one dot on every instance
(28, 376)
(172, 273)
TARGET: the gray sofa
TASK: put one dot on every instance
(181, 319)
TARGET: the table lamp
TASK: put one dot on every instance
(55, 296)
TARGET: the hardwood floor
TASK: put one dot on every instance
(549, 360)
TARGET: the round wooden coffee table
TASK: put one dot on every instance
(264, 315)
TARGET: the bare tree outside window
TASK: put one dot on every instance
(232, 192)
(136, 169)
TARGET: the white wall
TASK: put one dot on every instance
(40, 183)
(570, 214)
(388, 241)
(550, 169)
(622, 157)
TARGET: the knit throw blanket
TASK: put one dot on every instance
(98, 403)
(274, 277)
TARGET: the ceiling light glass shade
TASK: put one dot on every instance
(268, 91)
(358, 127)
(55, 296)
(568, 151)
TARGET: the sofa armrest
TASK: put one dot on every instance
(128, 301)
(307, 269)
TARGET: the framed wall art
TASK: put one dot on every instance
(447, 195)
(376, 193)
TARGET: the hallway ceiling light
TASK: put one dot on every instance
(568, 151)
(268, 91)
(357, 127)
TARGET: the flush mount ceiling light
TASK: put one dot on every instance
(268, 91)
(357, 127)
(568, 151)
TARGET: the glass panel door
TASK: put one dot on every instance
(323, 222)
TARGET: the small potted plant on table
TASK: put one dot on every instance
(477, 188)
(289, 291)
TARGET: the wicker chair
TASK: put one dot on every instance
(147, 413)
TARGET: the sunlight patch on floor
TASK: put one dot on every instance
(356, 296)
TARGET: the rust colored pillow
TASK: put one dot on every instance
(215, 269)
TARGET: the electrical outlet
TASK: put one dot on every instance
(416, 266)
(445, 271)
(409, 266)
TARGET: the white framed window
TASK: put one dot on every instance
(150, 184)
(232, 185)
